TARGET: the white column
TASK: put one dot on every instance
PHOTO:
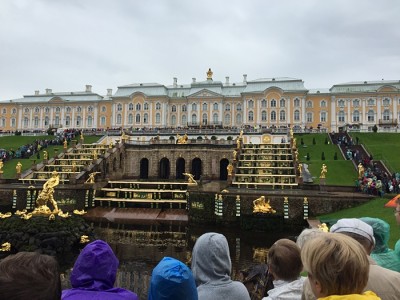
(289, 115)
(349, 116)
(221, 112)
(379, 109)
(333, 114)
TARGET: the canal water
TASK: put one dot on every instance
(139, 247)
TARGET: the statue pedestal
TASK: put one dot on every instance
(45, 161)
(322, 184)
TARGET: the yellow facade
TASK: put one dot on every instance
(259, 104)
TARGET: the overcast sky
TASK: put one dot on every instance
(66, 44)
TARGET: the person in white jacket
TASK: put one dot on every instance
(211, 267)
(284, 263)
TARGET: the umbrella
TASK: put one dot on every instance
(392, 203)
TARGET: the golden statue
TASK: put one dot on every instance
(238, 143)
(18, 168)
(95, 154)
(1, 166)
(5, 216)
(182, 139)
(26, 216)
(234, 154)
(241, 134)
(294, 145)
(47, 195)
(229, 168)
(63, 215)
(84, 239)
(296, 155)
(190, 178)
(324, 170)
(82, 135)
(5, 247)
(111, 145)
(91, 178)
(360, 170)
(73, 168)
(79, 212)
(291, 132)
(260, 206)
(45, 155)
(65, 144)
(124, 136)
(323, 227)
(209, 74)
(300, 168)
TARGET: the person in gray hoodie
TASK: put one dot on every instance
(211, 267)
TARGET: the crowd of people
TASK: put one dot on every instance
(339, 264)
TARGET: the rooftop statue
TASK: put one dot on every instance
(209, 74)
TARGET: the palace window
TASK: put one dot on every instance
(341, 116)
(137, 118)
(90, 121)
(26, 110)
(173, 108)
(78, 121)
(14, 111)
(68, 109)
(4, 111)
(273, 116)
(184, 108)
(90, 109)
(103, 121)
(204, 106)
(205, 119)
(79, 109)
(356, 116)
(215, 118)
(264, 116)
(130, 119)
(341, 103)
(282, 115)
(371, 102)
(296, 102)
(46, 121)
(146, 106)
(36, 110)
(57, 120)
(130, 106)
(119, 107)
(227, 107)
(145, 118)
(297, 115)
(194, 107)
(103, 109)
(239, 119)
(158, 106)
(323, 116)
(138, 107)
(356, 103)
(309, 117)
(184, 120)
(263, 103)
(47, 110)
(194, 119)
(26, 122)
(158, 118)
(36, 122)
(215, 106)
(251, 116)
(250, 104)
(386, 115)
(68, 121)
(282, 103)
(13, 122)
(323, 103)
(273, 103)
(371, 116)
(386, 102)
(309, 104)
(239, 107)
(58, 109)
(227, 119)
(173, 120)
(119, 119)
(3, 122)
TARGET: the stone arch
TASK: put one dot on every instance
(196, 168)
(144, 168)
(180, 168)
(223, 172)
(164, 170)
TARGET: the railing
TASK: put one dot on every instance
(387, 122)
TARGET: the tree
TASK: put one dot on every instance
(308, 156)
(323, 155)
(326, 141)
(301, 141)
(335, 156)
(313, 141)
(375, 128)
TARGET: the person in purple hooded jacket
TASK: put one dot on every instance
(94, 273)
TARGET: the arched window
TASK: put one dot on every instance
(309, 117)
(194, 106)
(145, 118)
(282, 115)
(26, 110)
(371, 102)
(158, 106)
(227, 119)
(78, 121)
(323, 103)
(13, 122)
(341, 103)
(204, 106)
(130, 106)
(57, 120)
(103, 109)
(173, 120)
(371, 116)
(239, 120)
(323, 116)
(14, 111)
(273, 116)
(35, 122)
(90, 121)
(250, 104)
(194, 119)
(146, 106)
(227, 107)
(356, 116)
(386, 115)
(341, 116)
(130, 119)
(46, 121)
(282, 103)
(119, 107)
(26, 122)
(264, 116)
(58, 109)
(36, 110)
(137, 118)
(67, 121)
(215, 106)
(204, 120)
(184, 108)
(215, 118)
(103, 121)
(68, 109)
(251, 116)
(273, 103)
(309, 104)
(239, 107)
(184, 120)
(90, 109)
(119, 119)
(296, 102)
(263, 103)
(47, 110)
(297, 115)
(386, 102)
(173, 108)
(356, 103)
(5, 110)
(138, 106)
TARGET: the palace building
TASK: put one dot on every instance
(261, 103)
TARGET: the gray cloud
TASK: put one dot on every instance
(65, 44)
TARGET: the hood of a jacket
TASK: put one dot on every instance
(211, 261)
(95, 268)
(172, 279)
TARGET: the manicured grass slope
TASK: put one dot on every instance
(340, 171)
(374, 209)
(14, 142)
(383, 146)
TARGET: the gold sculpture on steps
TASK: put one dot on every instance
(261, 206)
(47, 195)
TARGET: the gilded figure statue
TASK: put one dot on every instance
(18, 168)
(65, 144)
(1, 166)
(262, 206)
(234, 154)
(182, 139)
(47, 195)
(91, 178)
(229, 168)
(5, 247)
(238, 143)
(360, 170)
(95, 154)
(294, 145)
(300, 169)
(190, 178)
(291, 132)
(209, 74)
(324, 170)
(323, 227)
(45, 155)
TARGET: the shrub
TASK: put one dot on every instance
(199, 137)
(308, 156)
(375, 128)
(335, 156)
(302, 142)
(323, 156)
(17, 132)
(213, 137)
(229, 138)
(172, 138)
(313, 141)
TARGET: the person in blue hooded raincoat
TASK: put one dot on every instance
(172, 280)
(94, 273)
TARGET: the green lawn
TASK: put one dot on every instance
(14, 142)
(340, 171)
(374, 209)
(382, 146)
